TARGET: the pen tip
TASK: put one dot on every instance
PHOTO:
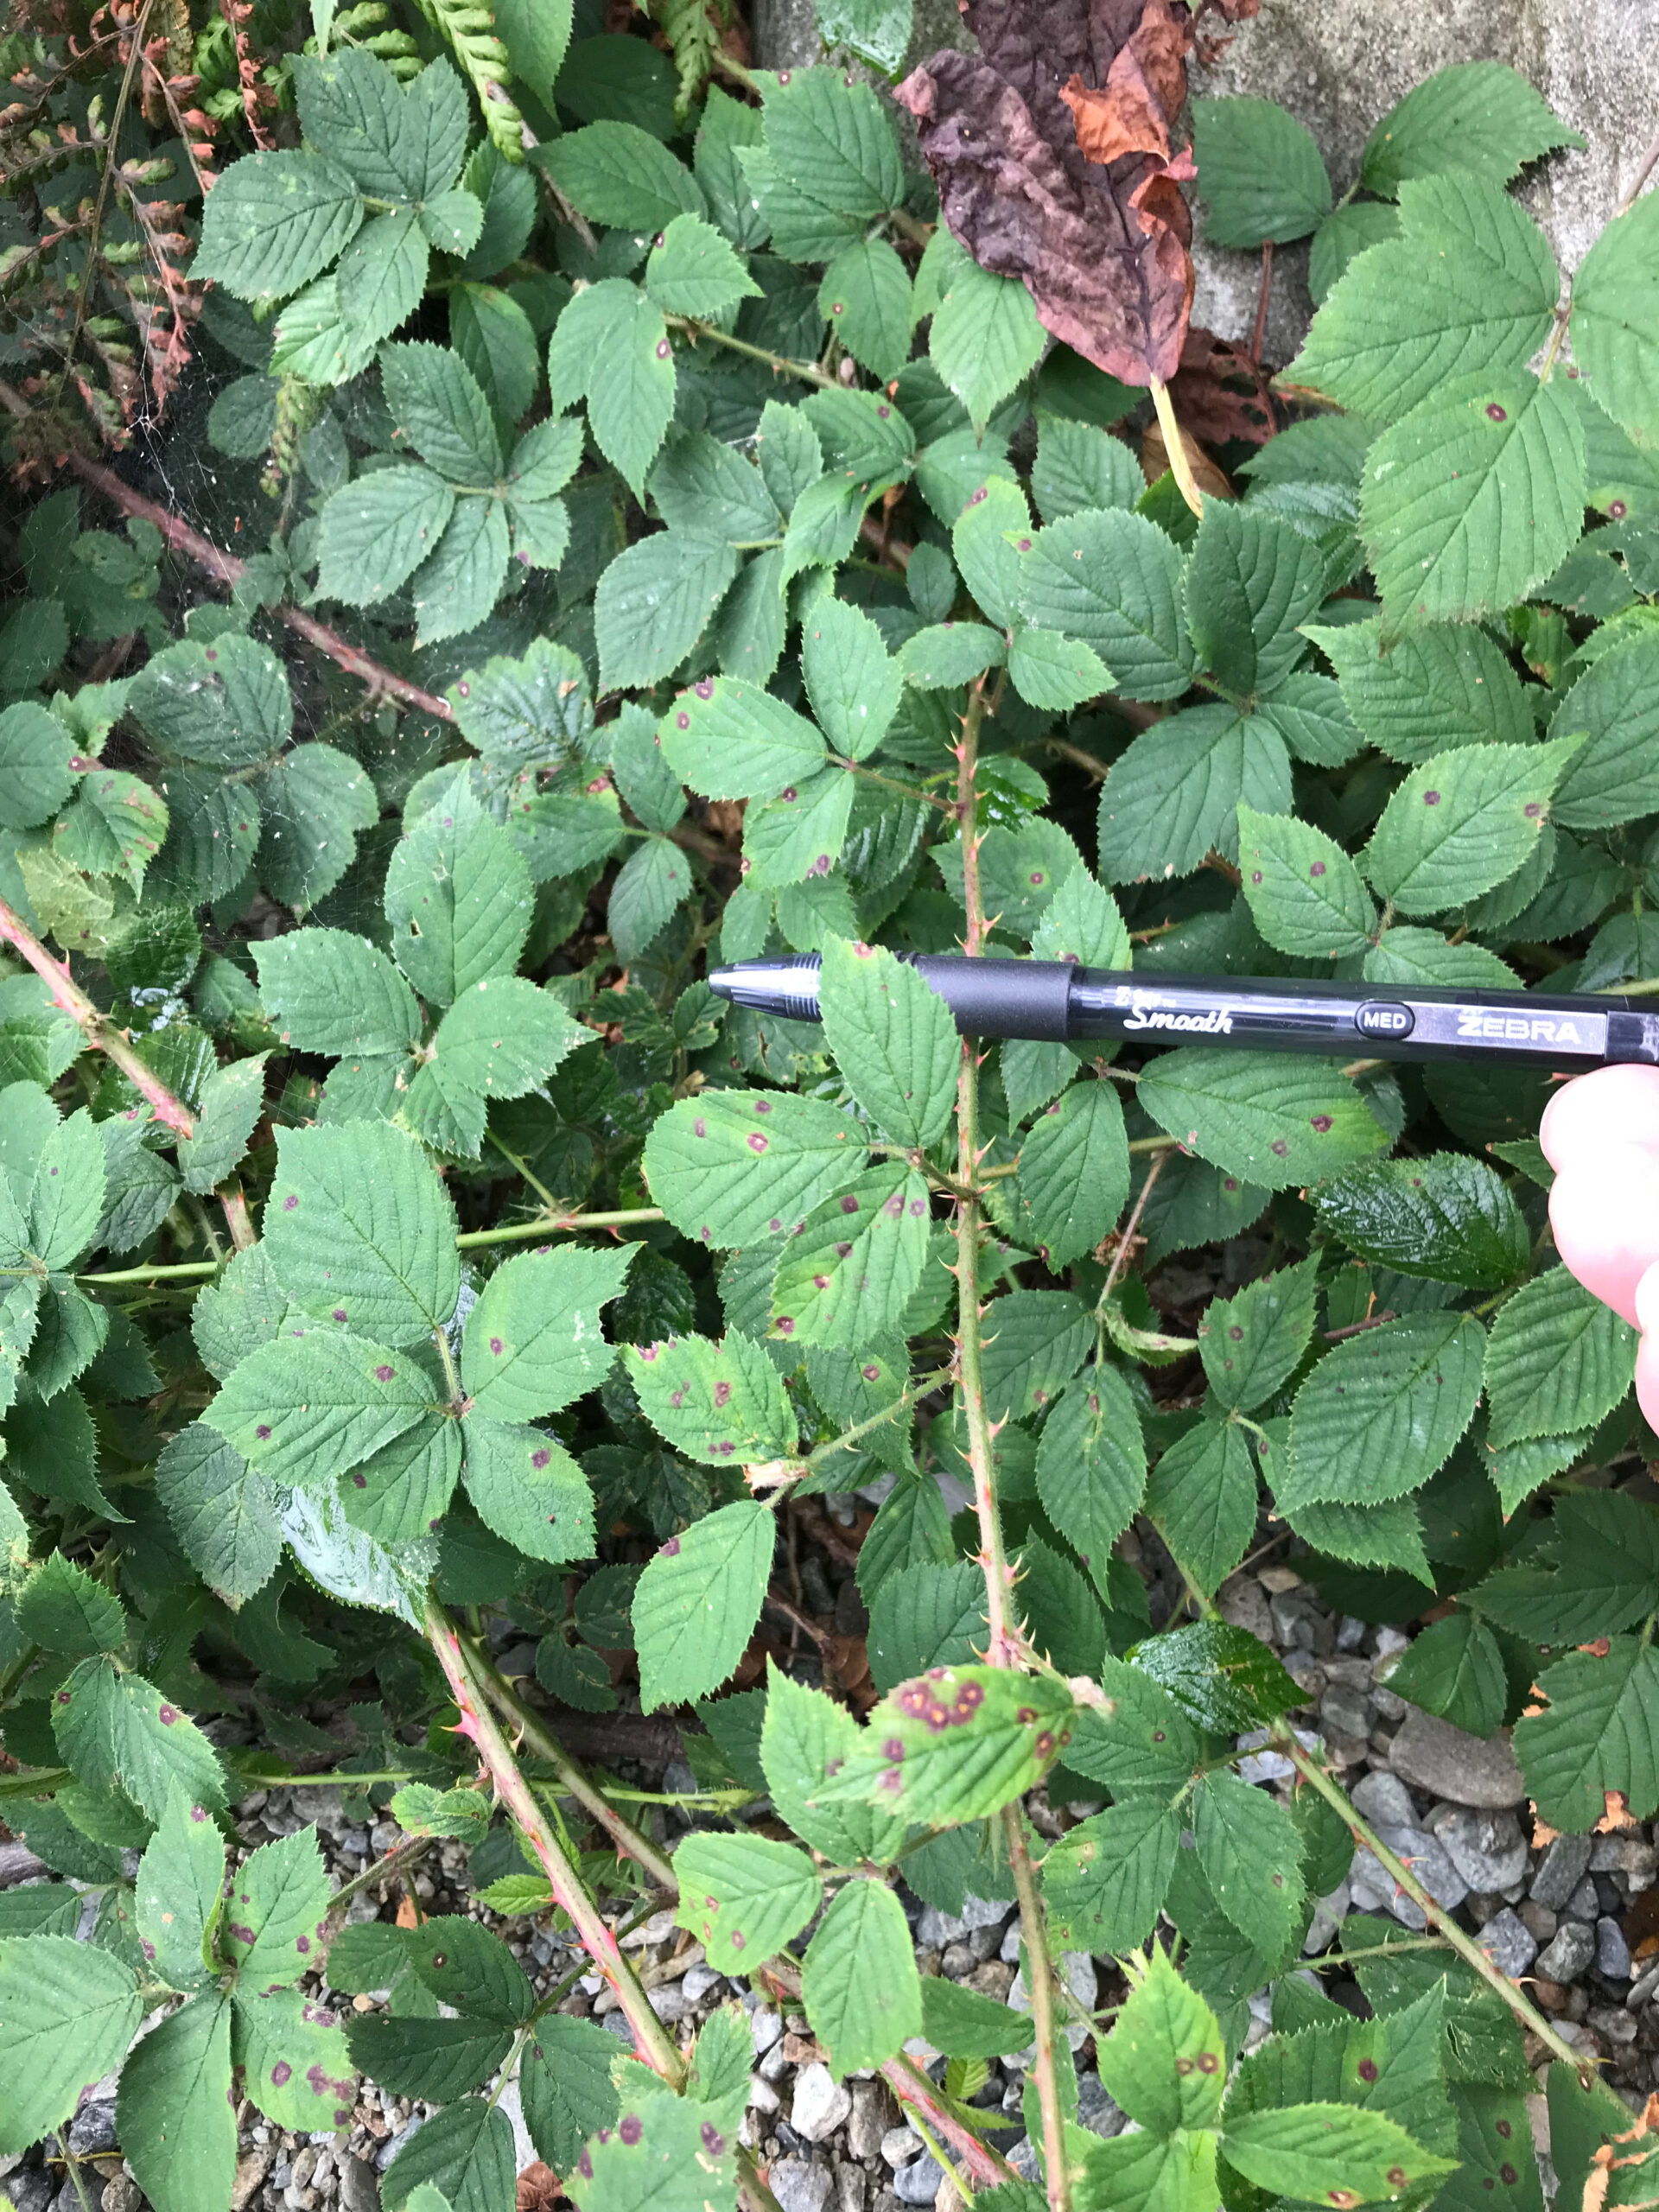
(722, 982)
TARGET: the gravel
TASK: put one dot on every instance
(1560, 1870)
(1566, 1957)
(1487, 1849)
(1430, 1755)
(800, 2186)
(918, 2181)
(821, 2106)
(1509, 1943)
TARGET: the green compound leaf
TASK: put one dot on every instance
(697, 1602)
(68, 2013)
(611, 348)
(1175, 792)
(852, 1269)
(665, 2154)
(281, 221)
(1602, 1555)
(1382, 1410)
(1305, 894)
(1091, 1466)
(893, 1039)
(803, 1734)
(956, 1744)
(859, 1983)
(274, 1911)
(225, 704)
(1201, 1498)
(222, 1512)
(1078, 466)
(693, 271)
(1105, 1882)
(1253, 1343)
(1444, 1216)
(35, 777)
(1034, 1342)
(723, 1404)
(985, 336)
(1074, 1173)
(1251, 579)
(1455, 1670)
(500, 1039)
(1264, 1118)
(744, 1898)
(1615, 704)
(1466, 287)
(463, 2157)
(61, 1608)
(1251, 1857)
(298, 2063)
(1558, 1360)
(1226, 1678)
(1329, 2152)
(732, 1167)
(332, 992)
(1113, 580)
(176, 1896)
(1431, 689)
(1598, 1733)
(731, 740)
(118, 1733)
(854, 686)
(533, 1340)
(1615, 304)
(233, 1099)
(361, 1232)
(1464, 822)
(865, 298)
(1472, 499)
(175, 2111)
(314, 1404)
(1481, 116)
(458, 900)
(654, 603)
(528, 1489)
(565, 2079)
(1164, 2063)
(1260, 173)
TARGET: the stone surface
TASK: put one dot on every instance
(93, 2127)
(1339, 68)
(1432, 1755)
(900, 2144)
(874, 2114)
(1384, 1800)
(1508, 1943)
(800, 2186)
(821, 2104)
(918, 2181)
(1612, 1952)
(1560, 1870)
(1488, 1849)
(1566, 1959)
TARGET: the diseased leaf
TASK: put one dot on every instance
(697, 1603)
(859, 1983)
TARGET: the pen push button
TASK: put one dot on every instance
(1384, 1017)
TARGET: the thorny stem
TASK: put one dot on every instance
(1007, 1647)
(1042, 2007)
(1126, 1240)
(1180, 465)
(238, 1219)
(779, 364)
(102, 1035)
(1464, 1944)
(1006, 1644)
(656, 2046)
(535, 1731)
(1648, 162)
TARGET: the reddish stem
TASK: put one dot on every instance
(1263, 298)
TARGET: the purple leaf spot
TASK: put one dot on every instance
(671, 1549)
(496, 1346)
(339, 1312)
(384, 1374)
(1496, 414)
(1431, 799)
(280, 2073)
(263, 1430)
(539, 1459)
(166, 1716)
(290, 1202)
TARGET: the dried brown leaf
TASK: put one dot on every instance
(1052, 150)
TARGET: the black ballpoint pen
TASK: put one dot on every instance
(1054, 1001)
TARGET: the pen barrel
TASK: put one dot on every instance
(1417, 1022)
(1004, 998)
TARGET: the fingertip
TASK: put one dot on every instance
(1647, 1379)
(1610, 1106)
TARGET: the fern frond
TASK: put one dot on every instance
(694, 29)
(370, 26)
(469, 30)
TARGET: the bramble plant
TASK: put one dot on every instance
(399, 1239)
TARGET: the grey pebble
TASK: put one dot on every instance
(918, 2181)
(1560, 1870)
(92, 2128)
(897, 2145)
(1509, 1943)
(1426, 1860)
(1432, 1755)
(1612, 1952)
(358, 2190)
(800, 2185)
(1645, 1988)
(1096, 2110)
(1567, 1957)
(383, 2156)
(1384, 1800)
(1487, 1849)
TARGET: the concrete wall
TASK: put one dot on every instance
(1340, 64)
